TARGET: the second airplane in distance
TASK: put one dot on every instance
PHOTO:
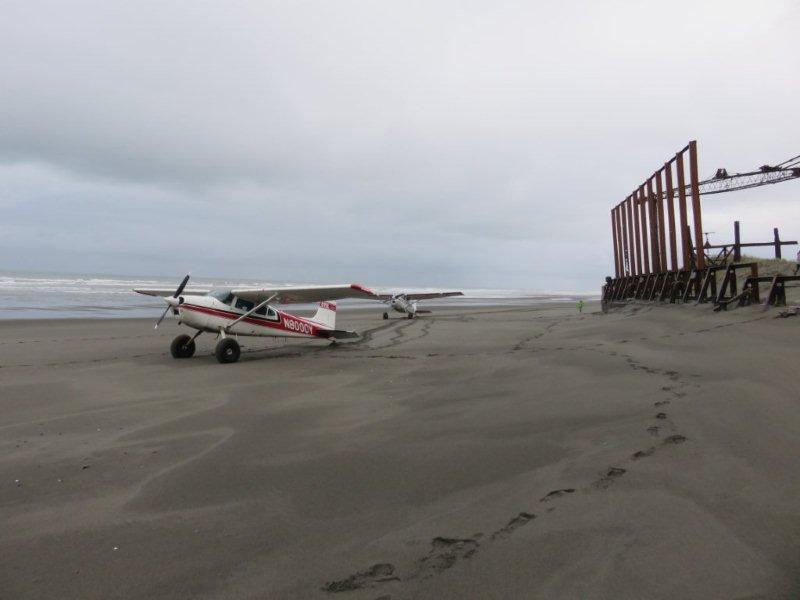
(407, 303)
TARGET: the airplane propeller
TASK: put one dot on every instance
(177, 293)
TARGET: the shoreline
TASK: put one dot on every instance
(103, 312)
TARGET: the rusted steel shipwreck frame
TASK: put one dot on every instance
(655, 257)
(735, 249)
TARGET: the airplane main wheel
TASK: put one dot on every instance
(385, 315)
(227, 350)
(410, 315)
(182, 347)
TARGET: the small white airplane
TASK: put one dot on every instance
(248, 312)
(407, 303)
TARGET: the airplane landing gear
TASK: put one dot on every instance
(227, 350)
(410, 315)
(182, 346)
(386, 315)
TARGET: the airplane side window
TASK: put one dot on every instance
(244, 305)
(268, 312)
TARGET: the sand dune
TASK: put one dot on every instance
(485, 453)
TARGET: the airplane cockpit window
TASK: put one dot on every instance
(244, 305)
(224, 296)
(269, 312)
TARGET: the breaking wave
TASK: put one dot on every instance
(32, 295)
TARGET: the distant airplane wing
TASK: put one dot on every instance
(170, 292)
(311, 293)
(420, 296)
(430, 295)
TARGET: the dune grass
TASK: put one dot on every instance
(768, 267)
(771, 266)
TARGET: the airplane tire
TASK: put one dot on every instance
(410, 315)
(385, 315)
(182, 347)
(227, 351)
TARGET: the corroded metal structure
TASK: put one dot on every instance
(657, 236)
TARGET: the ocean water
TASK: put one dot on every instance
(45, 296)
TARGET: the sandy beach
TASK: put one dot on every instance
(526, 452)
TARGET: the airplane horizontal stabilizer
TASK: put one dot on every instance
(338, 334)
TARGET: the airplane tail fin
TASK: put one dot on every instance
(326, 315)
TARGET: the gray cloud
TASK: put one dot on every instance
(449, 143)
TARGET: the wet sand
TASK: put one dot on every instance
(486, 453)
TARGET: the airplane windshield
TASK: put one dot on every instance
(224, 296)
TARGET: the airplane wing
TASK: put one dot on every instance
(165, 292)
(311, 293)
(430, 295)
(421, 296)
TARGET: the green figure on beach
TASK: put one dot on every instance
(580, 306)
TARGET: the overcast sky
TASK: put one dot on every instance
(468, 144)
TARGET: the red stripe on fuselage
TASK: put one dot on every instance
(214, 312)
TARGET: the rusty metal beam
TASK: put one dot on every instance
(631, 238)
(638, 234)
(643, 225)
(633, 222)
(655, 252)
(614, 236)
(754, 244)
(662, 236)
(696, 212)
(673, 241)
(626, 256)
(685, 243)
(620, 245)
(623, 236)
(618, 240)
